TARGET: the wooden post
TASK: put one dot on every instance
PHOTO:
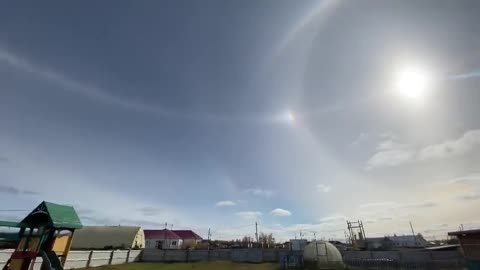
(128, 256)
(67, 249)
(111, 258)
(89, 258)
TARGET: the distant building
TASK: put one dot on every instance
(408, 241)
(470, 243)
(377, 243)
(108, 237)
(298, 244)
(189, 238)
(162, 239)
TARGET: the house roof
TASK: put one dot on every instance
(187, 234)
(60, 216)
(477, 231)
(160, 234)
(107, 236)
(5, 223)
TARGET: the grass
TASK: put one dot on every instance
(192, 266)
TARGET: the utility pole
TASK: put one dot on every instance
(165, 237)
(413, 233)
(209, 234)
(256, 231)
(315, 236)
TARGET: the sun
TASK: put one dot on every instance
(412, 82)
(291, 116)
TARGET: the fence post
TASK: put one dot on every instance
(128, 256)
(187, 254)
(89, 258)
(111, 257)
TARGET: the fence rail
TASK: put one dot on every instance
(253, 255)
(404, 259)
(87, 258)
(354, 259)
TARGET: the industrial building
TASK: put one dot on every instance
(108, 237)
(470, 243)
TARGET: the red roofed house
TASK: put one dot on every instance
(189, 238)
(162, 239)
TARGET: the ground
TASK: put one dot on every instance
(189, 266)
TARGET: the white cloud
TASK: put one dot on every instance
(225, 203)
(259, 192)
(391, 152)
(466, 143)
(333, 219)
(278, 212)
(250, 215)
(362, 137)
(426, 204)
(376, 205)
(469, 197)
(324, 188)
(465, 179)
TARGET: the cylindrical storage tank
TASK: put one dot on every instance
(322, 255)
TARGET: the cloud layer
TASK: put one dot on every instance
(225, 203)
(279, 212)
(391, 152)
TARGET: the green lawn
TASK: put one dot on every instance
(189, 266)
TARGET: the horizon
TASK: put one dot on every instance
(220, 114)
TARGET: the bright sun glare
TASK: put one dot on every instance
(291, 116)
(412, 83)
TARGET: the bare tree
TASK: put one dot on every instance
(266, 240)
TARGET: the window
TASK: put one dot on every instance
(159, 245)
(174, 243)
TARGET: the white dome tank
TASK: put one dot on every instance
(322, 255)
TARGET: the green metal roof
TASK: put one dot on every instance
(4, 223)
(58, 215)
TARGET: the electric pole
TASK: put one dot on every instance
(209, 234)
(165, 238)
(413, 233)
(256, 231)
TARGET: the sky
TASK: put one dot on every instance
(219, 114)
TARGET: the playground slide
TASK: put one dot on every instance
(52, 260)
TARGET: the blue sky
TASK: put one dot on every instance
(177, 111)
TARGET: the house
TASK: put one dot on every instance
(162, 239)
(470, 243)
(377, 243)
(189, 238)
(108, 237)
(408, 241)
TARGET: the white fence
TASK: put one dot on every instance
(87, 258)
